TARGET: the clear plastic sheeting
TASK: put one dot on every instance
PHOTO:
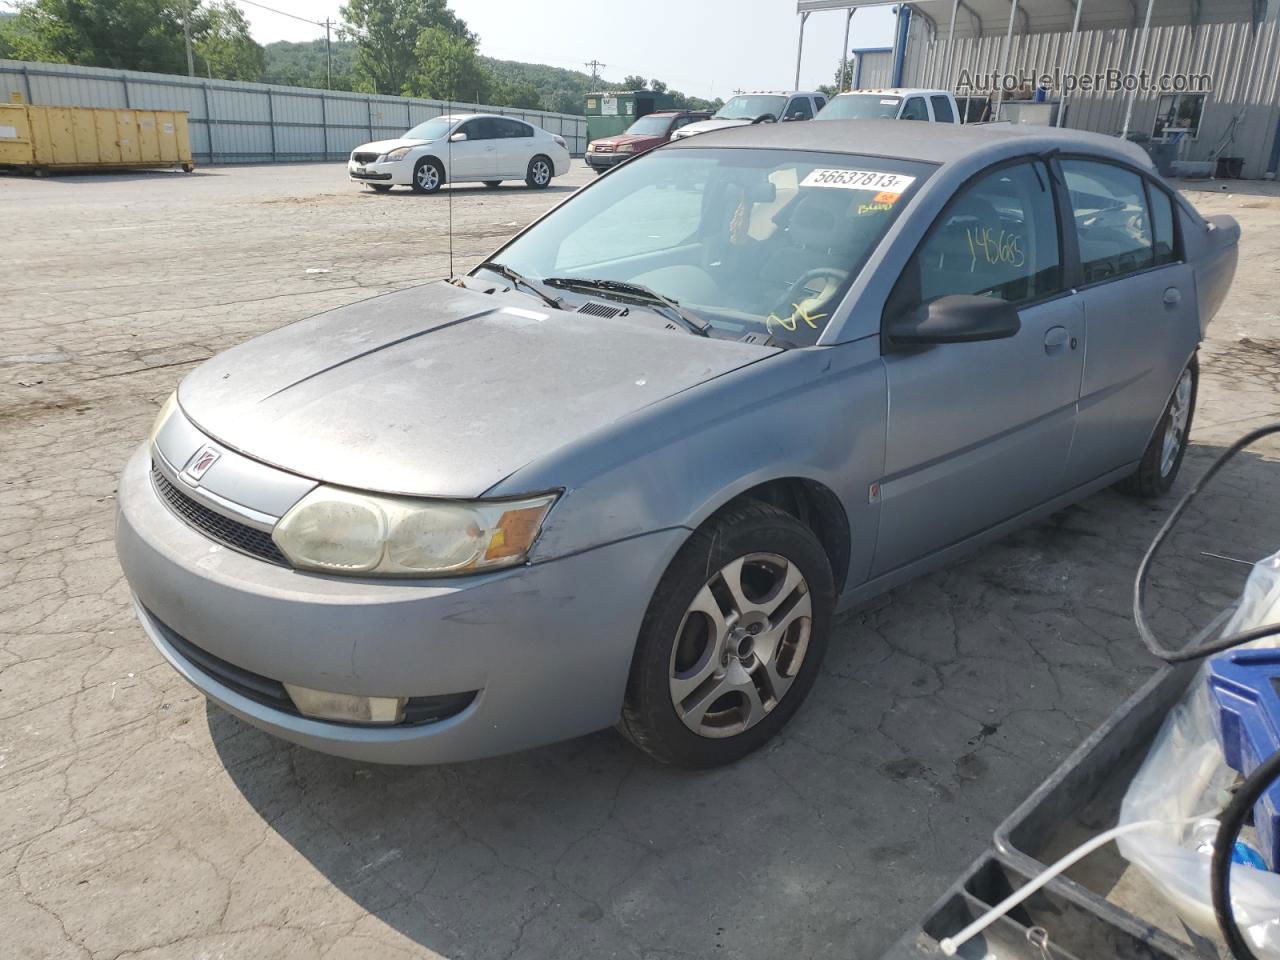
(1185, 775)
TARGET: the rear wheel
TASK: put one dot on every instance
(491, 184)
(1162, 459)
(732, 641)
(427, 176)
(540, 173)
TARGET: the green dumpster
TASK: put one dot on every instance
(611, 112)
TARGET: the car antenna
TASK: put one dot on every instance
(449, 181)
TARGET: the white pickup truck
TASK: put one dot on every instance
(898, 103)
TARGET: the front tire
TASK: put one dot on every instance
(732, 641)
(540, 173)
(1162, 459)
(428, 176)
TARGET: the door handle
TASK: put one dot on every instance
(1172, 297)
(1056, 340)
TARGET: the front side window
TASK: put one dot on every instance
(752, 241)
(1113, 227)
(915, 110)
(1162, 225)
(861, 106)
(799, 109)
(998, 237)
(752, 106)
(479, 129)
(684, 122)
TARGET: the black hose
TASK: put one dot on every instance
(1140, 583)
(1233, 820)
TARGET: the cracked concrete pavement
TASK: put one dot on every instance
(136, 821)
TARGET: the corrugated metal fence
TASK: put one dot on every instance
(255, 122)
(1241, 113)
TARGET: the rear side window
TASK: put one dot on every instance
(915, 110)
(511, 129)
(998, 237)
(942, 111)
(1112, 223)
(819, 102)
(1162, 227)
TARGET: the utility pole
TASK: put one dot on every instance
(186, 37)
(595, 66)
(328, 58)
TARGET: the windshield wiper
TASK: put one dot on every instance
(670, 308)
(519, 281)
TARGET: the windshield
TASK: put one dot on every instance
(750, 241)
(860, 106)
(430, 130)
(751, 106)
(651, 126)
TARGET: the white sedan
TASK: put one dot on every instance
(472, 147)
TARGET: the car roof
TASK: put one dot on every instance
(779, 93)
(893, 91)
(905, 140)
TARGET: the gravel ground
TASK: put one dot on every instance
(137, 821)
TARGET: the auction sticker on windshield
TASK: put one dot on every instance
(858, 180)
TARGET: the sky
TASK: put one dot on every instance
(706, 48)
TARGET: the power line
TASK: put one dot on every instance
(283, 13)
(595, 66)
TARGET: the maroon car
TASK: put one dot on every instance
(651, 130)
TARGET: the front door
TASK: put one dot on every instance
(474, 158)
(980, 432)
(1139, 304)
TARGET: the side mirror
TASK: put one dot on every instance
(458, 137)
(954, 319)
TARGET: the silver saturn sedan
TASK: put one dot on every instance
(628, 470)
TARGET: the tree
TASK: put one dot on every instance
(634, 83)
(657, 86)
(387, 34)
(448, 68)
(224, 44)
(843, 80)
(520, 94)
(124, 34)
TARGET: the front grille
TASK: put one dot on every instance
(228, 532)
(364, 157)
(604, 148)
(271, 693)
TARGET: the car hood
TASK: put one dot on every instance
(706, 126)
(438, 390)
(627, 138)
(382, 146)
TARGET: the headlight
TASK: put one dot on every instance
(399, 153)
(333, 530)
(166, 409)
(625, 148)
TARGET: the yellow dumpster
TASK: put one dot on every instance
(44, 139)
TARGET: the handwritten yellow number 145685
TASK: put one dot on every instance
(996, 246)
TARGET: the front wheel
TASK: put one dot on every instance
(1162, 459)
(540, 173)
(732, 641)
(427, 176)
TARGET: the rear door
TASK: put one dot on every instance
(942, 112)
(514, 147)
(980, 432)
(1140, 310)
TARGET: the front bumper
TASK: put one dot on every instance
(604, 161)
(546, 648)
(390, 172)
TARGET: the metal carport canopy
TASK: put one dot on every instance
(982, 18)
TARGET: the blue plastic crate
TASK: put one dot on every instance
(1246, 686)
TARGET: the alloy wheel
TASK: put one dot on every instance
(541, 172)
(740, 645)
(1175, 434)
(428, 177)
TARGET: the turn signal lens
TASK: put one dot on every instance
(162, 417)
